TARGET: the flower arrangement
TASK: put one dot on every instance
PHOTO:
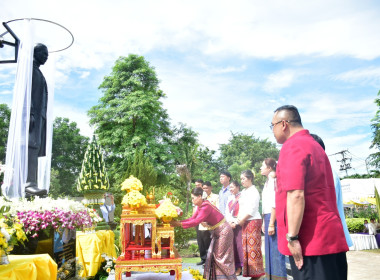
(167, 209)
(132, 183)
(134, 199)
(67, 269)
(11, 233)
(109, 263)
(196, 274)
(172, 197)
(42, 213)
(94, 216)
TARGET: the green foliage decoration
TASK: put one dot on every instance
(93, 176)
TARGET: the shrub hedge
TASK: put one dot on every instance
(355, 224)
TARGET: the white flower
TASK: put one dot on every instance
(5, 233)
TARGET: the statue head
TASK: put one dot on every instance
(41, 54)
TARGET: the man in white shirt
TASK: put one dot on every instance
(108, 208)
(224, 193)
(372, 227)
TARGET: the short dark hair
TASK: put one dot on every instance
(294, 115)
(248, 174)
(199, 181)
(208, 184)
(319, 140)
(228, 174)
(236, 183)
(271, 162)
(198, 191)
(39, 47)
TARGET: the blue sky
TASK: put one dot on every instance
(223, 65)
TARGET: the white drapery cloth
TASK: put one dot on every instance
(16, 162)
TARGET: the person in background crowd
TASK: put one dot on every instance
(204, 234)
(249, 219)
(275, 268)
(339, 196)
(108, 208)
(309, 226)
(199, 184)
(224, 193)
(231, 217)
(372, 227)
(220, 257)
(365, 226)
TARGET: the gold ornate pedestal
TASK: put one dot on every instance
(165, 232)
(149, 265)
(142, 254)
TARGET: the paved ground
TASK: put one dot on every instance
(362, 265)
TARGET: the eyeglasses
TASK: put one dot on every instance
(272, 125)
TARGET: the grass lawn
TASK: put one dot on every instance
(376, 251)
(191, 260)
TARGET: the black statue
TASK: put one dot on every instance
(37, 123)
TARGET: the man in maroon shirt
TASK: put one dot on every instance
(309, 227)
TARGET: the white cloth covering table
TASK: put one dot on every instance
(363, 242)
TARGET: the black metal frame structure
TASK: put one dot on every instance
(16, 44)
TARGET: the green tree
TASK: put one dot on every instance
(374, 159)
(143, 169)
(67, 154)
(130, 116)
(185, 148)
(246, 152)
(5, 116)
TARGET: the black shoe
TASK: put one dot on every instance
(201, 263)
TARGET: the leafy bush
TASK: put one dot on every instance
(194, 248)
(183, 236)
(355, 224)
(367, 212)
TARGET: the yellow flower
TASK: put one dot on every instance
(133, 198)
(108, 270)
(166, 208)
(132, 183)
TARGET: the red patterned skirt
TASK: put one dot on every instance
(253, 258)
(220, 263)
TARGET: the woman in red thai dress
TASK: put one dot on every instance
(220, 258)
(250, 220)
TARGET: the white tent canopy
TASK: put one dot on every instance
(359, 191)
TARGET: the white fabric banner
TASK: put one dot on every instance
(17, 146)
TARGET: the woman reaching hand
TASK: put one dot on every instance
(220, 258)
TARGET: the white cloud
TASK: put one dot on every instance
(279, 80)
(270, 29)
(84, 74)
(365, 76)
(6, 92)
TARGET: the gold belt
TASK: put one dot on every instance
(216, 225)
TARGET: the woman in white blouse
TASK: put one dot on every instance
(232, 212)
(274, 261)
(249, 219)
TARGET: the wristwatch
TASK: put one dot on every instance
(291, 238)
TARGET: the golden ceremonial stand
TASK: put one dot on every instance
(145, 254)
